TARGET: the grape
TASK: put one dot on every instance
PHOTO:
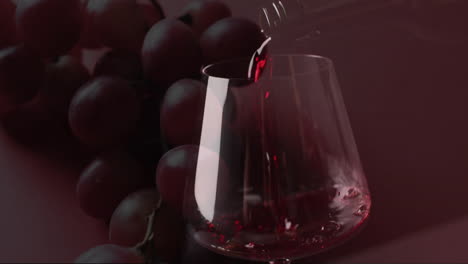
(32, 126)
(175, 175)
(183, 109)
(7, 23)
(175, 169)
(104, 112)
(182, 112)
(89, 35)
(230, 38)
(21, 76)
(152, 12)
(169, 231)
(106, 182)
(77, 53)
(63, 78)
(110, 254)
(170, 52)
(126, 65)
(201, 14)
(50, 27)
(129, 222)
(118, 23)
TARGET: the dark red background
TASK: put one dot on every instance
(407, 101)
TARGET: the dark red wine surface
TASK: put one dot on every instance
(296, 226)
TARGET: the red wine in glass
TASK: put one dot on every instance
(272, 232)
(278, 176)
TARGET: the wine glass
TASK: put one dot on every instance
(278, 175)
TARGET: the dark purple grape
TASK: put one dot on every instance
(7, 23)
(118, 24)
(175, 169)
(104, 112)
(106, 182)
(77, 53)
(129, 221)
(124, 64)
(169, 232)
(201, 14)
(21, 76)
(110, 254)
(50, 27)
(182, 112)
(230, 38)
(89, 36)
(32, 126)
(170, 52)
(63, 78)
(152, 12)
(175, 175)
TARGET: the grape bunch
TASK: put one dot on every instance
(134, 111)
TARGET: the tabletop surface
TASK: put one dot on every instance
(407, 101)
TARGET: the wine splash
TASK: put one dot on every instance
(258, 61)
(299, 225)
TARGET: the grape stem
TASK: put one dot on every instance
(154, 2)
(158, 7)
(146, 245)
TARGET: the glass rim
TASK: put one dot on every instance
(205, 68)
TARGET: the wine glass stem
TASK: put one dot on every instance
(280, 261)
